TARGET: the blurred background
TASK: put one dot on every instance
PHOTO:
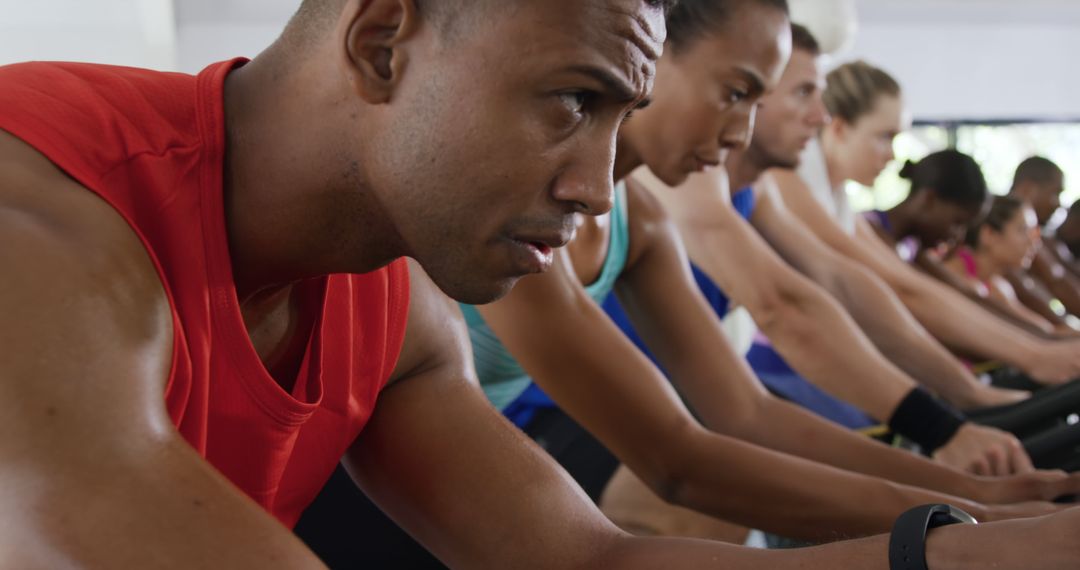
(994, 78)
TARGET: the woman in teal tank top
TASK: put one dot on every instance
(558, 333)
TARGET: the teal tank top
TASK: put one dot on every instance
(501, 377)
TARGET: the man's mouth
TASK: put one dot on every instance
(534, 253)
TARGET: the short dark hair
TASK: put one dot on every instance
(954, 176)
(1038, 170)
(691, 19)
(802, 39)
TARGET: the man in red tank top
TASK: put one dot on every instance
(205, 289)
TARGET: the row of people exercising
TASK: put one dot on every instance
(720, 442)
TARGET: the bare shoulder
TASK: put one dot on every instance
(785, 179)
(647, 221)
(60, 236)
(86, 326)
(642, 206)
(766, 186)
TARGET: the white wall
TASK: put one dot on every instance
(213, 30)
(963, 59)
(957, 59)
(124, 32)
(201, 44)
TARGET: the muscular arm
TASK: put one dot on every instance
(661, 296)
(447, 467)
(805, 324)
(872, 304)
(952, 273)
(1004, 310)
(479, 494)
(92, 472)
(575, 353)
(948, 315)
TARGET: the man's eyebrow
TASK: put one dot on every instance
(616, 87)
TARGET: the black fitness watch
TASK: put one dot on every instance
(907, 544)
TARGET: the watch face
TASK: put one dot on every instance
(951, 516)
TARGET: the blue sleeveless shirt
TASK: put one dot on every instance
(769, 366)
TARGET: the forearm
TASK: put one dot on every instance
(1046, 542)
(901, 338)
(634, 553)
(785, 494)
(964, 326)
(810, 437)
(169, 509)
(952, 318)
(824, 345)
(1066, 290)
(1048, 278)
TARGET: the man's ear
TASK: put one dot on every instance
(376, 30)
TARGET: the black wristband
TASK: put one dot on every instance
(926, 420)
(907, 543)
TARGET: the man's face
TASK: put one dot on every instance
(1046, 198)
(496, 137)
(792, 114)
(706, 94)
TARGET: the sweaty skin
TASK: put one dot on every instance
(88, 322)
(81, 413)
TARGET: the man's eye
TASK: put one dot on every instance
(737, 96)
(575, 101)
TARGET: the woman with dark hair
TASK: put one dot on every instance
(948, 192)
(868, 112)
(1006, 238)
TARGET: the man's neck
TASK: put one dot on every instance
(284, 193)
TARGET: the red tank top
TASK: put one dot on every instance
(151, 145)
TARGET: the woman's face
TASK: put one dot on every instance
(861, 150)
(705, 95)
(944, 223)
(1017, 242)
